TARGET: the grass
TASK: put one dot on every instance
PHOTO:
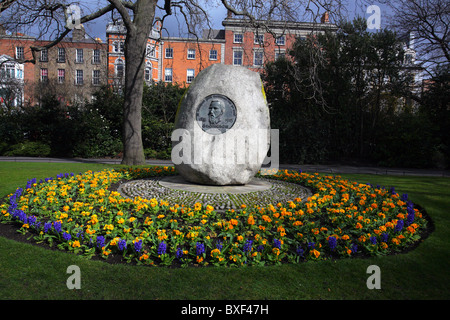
(32, 272)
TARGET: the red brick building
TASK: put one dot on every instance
(179, 60)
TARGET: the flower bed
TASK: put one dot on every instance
(80, 213)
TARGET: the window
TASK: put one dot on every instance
(238, 38)
(20, 53)
(119, 68)
(79, 77)
(79, 56)
(44, 75)
(258, 58)
(8, 71)
(281, 40)
(259, 38)
(151, 52)
(44, 55)
(237, 57)
(96, 56)
(212, 54)
(118, 46)
(191, 54)
(148, 72)
(61, 55)
(61, 75)
(279, 54)
(96, 77)
(190, 75)
(168, 75)
(169, 53)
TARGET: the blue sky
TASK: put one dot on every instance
(218, 13)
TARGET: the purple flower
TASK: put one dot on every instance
(399, 226)
(57, 226)
(162, 248)
(354, 248)
(138, 246)
(300, 251)
(219, 245)
(100, 241)
(179, 253)
(373, 239)
(248, 246)
(276, 243)
(332, 242)
(384, 237)
(200, 247)
(260, 248)
(311, 245)
(67, 236)
(122, 244)
(47, 226)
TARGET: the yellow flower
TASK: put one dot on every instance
(315, 253)
(76, 244)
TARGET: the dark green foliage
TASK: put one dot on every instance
(345, 96)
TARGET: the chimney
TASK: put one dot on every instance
(78, 33)
(325, 18)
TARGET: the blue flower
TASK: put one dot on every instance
(122, 244)
(179, 253)
(399, 226)
(300, 251)
(411, 213)
(138, 246)
(67, 236)
(100, 241)
(260, 248)
(276, 243)
(354, 248)
(57, 226)
(47, 226)
(332, 242)
(162, 248)
(404, 197)
(311, 245)
(373, 239)
(200, 247)
(248, 246)
(384, 237)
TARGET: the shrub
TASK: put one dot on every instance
(29, 149)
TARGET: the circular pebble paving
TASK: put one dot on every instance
(158, 188)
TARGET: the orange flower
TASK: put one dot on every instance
(315, 253)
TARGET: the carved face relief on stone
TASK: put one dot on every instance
(216, 114)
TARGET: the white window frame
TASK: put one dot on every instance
(169, 53)
(191, 54)
(79, 77)
(61, 75)
(117, 63)
(61, 55)
(213, 54)
(258, 39)
(241, 52)
(151, 51)
(168, 75)
(43, 74)
(44, 55)
(238, 37)
(190, 75)
(20, 53)
(258, 58)
(148, 72)
(79, 56)
(96, 56)
(96, 77)
(281, 40)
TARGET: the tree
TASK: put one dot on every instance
(55, 18)
(429, 22)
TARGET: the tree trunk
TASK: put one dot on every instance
(135, 49)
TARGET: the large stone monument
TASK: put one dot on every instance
(222, 127)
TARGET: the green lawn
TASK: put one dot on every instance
(31, 272)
